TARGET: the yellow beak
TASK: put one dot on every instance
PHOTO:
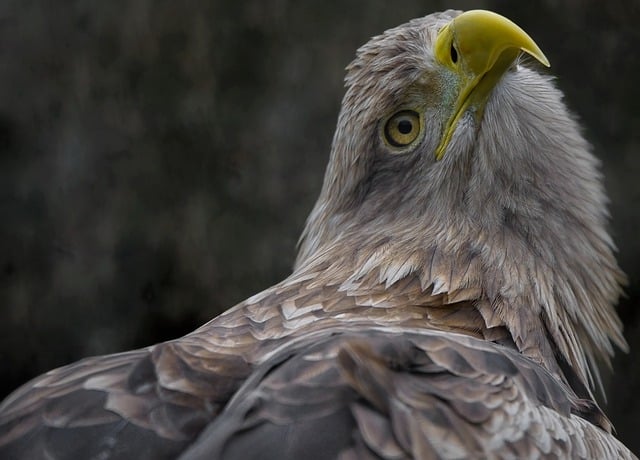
(478, 47)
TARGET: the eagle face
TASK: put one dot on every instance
(411, 121)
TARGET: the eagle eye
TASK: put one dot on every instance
(403, 128)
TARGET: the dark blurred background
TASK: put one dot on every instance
(158, 158)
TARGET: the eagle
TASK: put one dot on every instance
(452, 296)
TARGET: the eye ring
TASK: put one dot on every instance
(402, 128)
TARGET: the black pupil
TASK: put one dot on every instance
(454, 54)
(405, 126)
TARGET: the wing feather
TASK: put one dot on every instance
(148, 403)
(372, 393)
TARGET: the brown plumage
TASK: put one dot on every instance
(453, 290)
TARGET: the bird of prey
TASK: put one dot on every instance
(453, 292)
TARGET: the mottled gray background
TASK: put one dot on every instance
(158, 158)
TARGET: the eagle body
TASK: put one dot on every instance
(454, 288)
